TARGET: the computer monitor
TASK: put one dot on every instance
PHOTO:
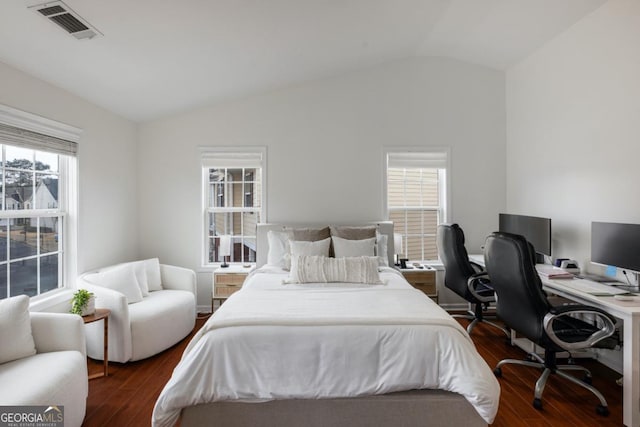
(616, 244)
(535, 229)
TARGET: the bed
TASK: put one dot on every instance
(329, 354)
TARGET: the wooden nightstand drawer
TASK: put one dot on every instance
(429, 289)
(423, 280)
(420, 277)
(230, 279)
(226, 281)
(226, 291)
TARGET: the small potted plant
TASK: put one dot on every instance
(83, 303)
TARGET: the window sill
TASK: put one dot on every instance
(50, 299)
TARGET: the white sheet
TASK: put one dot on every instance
(309, 341)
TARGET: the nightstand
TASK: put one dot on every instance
(423, 279)
(227, 280)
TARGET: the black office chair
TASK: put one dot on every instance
(523, 306)
(463, 277)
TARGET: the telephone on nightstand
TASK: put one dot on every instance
(570, 266)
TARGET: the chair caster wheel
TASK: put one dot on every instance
(497, 372)
(537, 403)
(602, 410)
(587, 379)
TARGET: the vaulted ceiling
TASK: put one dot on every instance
(160, 57)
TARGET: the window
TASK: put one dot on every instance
(234, 201)
(416, 199)
(35, 184)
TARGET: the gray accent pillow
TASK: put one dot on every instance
(309, 234)
(354, 233)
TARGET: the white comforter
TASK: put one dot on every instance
(275, 341)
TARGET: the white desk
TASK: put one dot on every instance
(629, 313)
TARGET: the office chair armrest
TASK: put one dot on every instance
(607, 329)
(476, 267)
(562, 309)
(480, 281)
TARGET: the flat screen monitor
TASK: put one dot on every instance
(616, 244)
(535, 229)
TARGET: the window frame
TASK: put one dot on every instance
(236, 158)
(67, 211)
(444, 192)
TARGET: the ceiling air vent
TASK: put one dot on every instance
(66, 18)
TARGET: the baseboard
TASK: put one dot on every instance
(203, 308)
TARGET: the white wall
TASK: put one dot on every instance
(107, 166)
(573, 128)
(324, 142)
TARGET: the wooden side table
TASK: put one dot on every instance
(226, 281)
(423, 279)
(101, 314)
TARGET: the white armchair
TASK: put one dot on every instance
(56, 374)
(141, 329)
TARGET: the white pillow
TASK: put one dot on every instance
(350, 248)
(278, 255)
(381, 249)
(121, 279)
(15, 329)
(152, 268)
(321, 269)
(141, 277)
(320, 247)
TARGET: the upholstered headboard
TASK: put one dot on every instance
(262, 245)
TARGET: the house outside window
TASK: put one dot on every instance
(416, 198)
(233, 201)
(37, 181)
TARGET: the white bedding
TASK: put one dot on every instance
(282, 341)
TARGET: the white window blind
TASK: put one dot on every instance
(36, 141)
(417, 159)
(415, 182)
(229, 159)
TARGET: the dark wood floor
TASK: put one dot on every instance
(564, 404)
(127, 396)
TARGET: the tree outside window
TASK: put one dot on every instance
(30, 222)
